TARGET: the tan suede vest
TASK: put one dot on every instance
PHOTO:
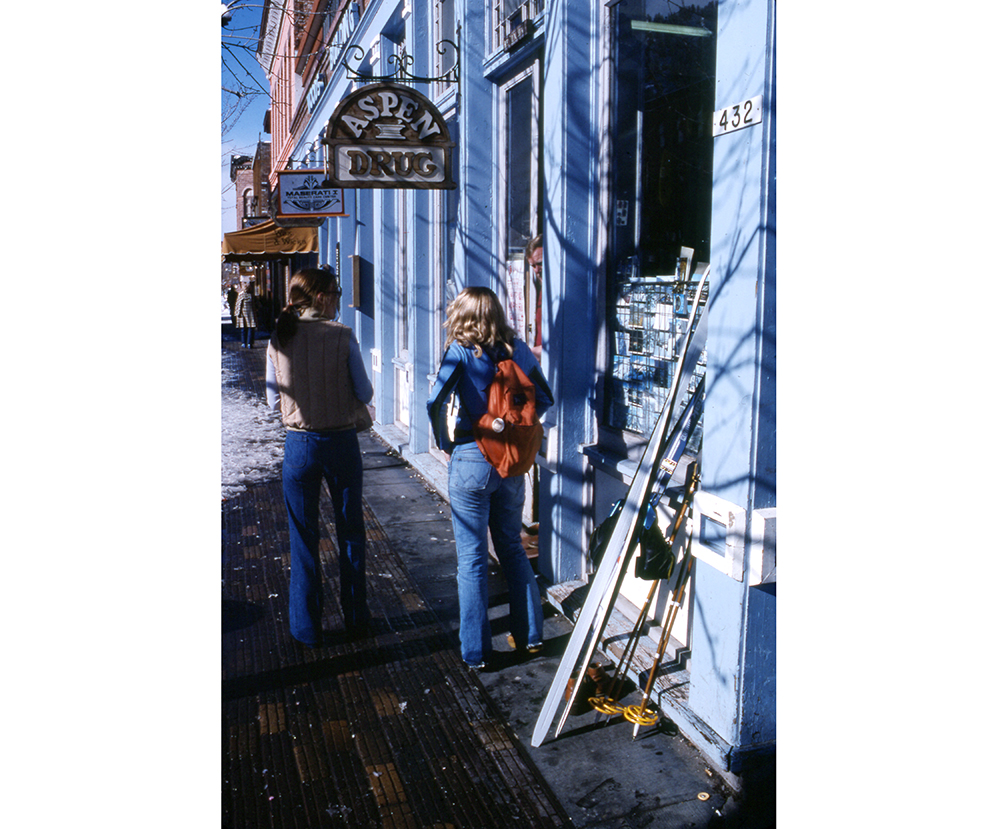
(314, 379)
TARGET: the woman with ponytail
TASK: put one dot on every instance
(316, 377)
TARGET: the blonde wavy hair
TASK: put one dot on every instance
(476, 319)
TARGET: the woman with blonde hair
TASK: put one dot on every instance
(477, 337)
(316, 376)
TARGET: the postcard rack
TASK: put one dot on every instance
(651, 315)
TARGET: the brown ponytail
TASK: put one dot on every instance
(303, 292)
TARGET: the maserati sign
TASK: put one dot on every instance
(386, 135)
(303, 193)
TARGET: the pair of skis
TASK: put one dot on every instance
(600, 599)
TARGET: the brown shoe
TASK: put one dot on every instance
(530, 648)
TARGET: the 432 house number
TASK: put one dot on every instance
(737, 116)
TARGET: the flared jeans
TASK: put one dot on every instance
(482, 501)
(310, 458)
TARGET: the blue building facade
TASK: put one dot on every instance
(630, 135)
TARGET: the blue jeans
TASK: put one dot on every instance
(311, 457)
(481, 500)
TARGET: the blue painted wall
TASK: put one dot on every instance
(733, 660)
(476, 261)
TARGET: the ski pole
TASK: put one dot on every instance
(606, 704)
(637, 714)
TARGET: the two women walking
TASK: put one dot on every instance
(316, 377)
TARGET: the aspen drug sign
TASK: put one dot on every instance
(386, 135)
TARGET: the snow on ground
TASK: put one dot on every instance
(253, 436)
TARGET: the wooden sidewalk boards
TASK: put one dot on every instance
(390, 731)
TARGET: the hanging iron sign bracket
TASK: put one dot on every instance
(402, 62)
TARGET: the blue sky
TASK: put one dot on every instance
(240, 73)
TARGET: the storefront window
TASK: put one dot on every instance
(519, 124)
(519, 185)
(664, 74)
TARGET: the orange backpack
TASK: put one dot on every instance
(510, 433)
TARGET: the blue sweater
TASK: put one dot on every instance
(462, 371)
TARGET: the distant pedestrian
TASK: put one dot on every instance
(246, 319)
(316, 377)
(477, 336)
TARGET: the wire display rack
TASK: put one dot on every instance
(651, 316)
